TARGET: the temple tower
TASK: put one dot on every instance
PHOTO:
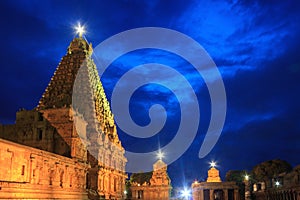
(214, 188)
(159, 186)
(213, 175)
(76, 148)
(75, 104)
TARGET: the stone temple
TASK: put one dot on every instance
(214, 188)
(67, 147)
(159, 186)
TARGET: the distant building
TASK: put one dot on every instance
(159, 187)
(214, 188)
(54, 151)
(285, 186)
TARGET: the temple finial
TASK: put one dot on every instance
(80, 30)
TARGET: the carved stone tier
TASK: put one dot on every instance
(213, 175)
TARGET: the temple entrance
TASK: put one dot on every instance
(218, 195)
(230, 194)
(140, 194)
(87, 181)
(206, 194)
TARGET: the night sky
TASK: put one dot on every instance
(255, 45)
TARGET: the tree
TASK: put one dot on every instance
(141, 177)
(237, 176)
(270, 169)
(297, 169)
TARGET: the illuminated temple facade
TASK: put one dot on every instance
(214, 188)
(159, 186)
(60, 150)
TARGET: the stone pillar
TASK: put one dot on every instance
(288, 195)
(32, 174)
(236, 194)
(45, 174)
(201, 194)
(211, 195)
(247, 189)
(37, 174)
(263, 186)
(134, 194)
(225, 194)
(254, 187)
(295, 195)
(291, 195)
(66, 178)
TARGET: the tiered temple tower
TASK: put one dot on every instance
(213, 175)
(76, 88)
(159, 186)
(73, 119)
(214, 188)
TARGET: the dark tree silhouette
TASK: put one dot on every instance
(238, 176)
(268, 170)
(141, 177)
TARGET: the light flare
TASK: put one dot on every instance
(160, 155)
(213, 164)
(80, 29)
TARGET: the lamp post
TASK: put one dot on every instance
(125, 194)
(185, 194)
(247, 187)
(277, 183)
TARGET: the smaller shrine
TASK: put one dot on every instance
(213, 174)
(158, 188)
(214, 188)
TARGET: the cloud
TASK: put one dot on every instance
(240, 33)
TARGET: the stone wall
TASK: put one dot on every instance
(30, 173)
(288, 187)
(32, 129)
(282, 192)
(215, 190)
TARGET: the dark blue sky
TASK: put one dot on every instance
(255, 45)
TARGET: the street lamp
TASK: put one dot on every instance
(247, 187)
(247, 177)
(185, 193)
(125, 194)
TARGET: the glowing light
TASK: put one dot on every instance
(277, 183)
(213, 164)
(80, 30)
(196, 182)
(160, 155)
(185, 193)
(246, 177)
(125, 192)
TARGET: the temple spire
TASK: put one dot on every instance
(76, 84)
